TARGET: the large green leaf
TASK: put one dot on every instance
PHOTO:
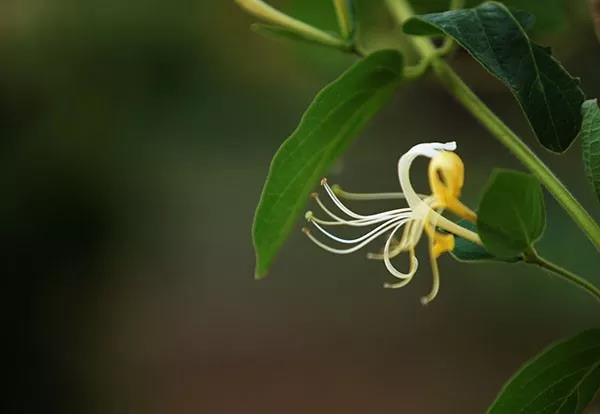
(550, 97)
(590, 141)
(561, 380)
(511, 214)
(333, 120)
(467, 251)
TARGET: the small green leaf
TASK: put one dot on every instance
(335, 117)
(590, 141)
(467, 251)
(511, 216)
(561, 380)
(550, 98)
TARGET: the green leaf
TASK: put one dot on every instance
(550, 98)
(335, 117)
(590, 141)
(511, 214)
(467, 251)
(550, 15)
(561, 380)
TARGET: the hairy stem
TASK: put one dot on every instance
(459, 89)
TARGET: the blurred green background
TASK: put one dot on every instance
(136, 137)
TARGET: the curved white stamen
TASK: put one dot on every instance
(415, 234)
(353, 223)
(365, 221)
(338, 203)
(341, 251)
(326, 210)
(398, 285)
(410, 238)
(382, 228)
(435, 272)
(347, 195)
(414, 263)
(435, 287)
(345, 209)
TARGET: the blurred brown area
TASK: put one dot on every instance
(135, 140)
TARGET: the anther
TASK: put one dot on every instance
(323, 181)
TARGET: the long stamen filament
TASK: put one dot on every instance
(435, 288)
(414, 263)
(382, 228)
(398, 285)
(346, 210)
(342, 251)
(366, 196)
(399, 247)
(364, 221)
(433, 256)
(353, 223)
(347, 195)
(337, 202)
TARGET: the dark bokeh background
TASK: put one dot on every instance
(135, 138)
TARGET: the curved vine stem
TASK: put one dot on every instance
(460, 90)
(534, 258)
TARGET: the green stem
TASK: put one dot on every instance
(457, 87)
(533, 258)
(417, 70)
(402, 11)
(271, 15)
(344, 17)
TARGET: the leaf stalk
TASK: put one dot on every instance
(533, 257)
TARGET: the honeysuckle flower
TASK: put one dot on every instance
(423, 214)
